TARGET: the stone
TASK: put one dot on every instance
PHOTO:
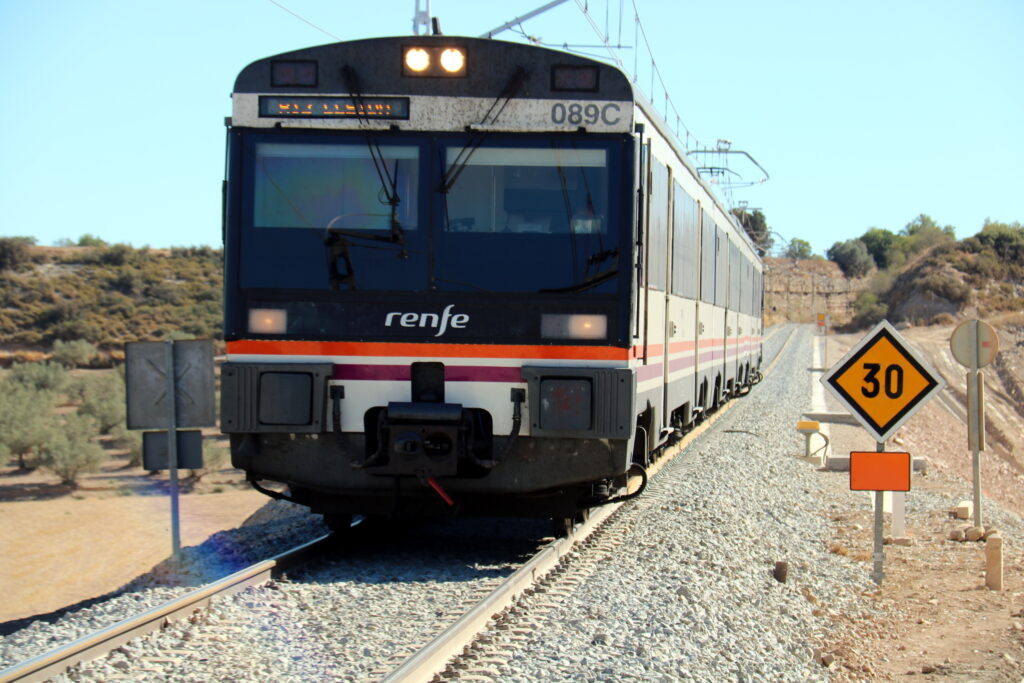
(904, 541)
(975, 533)
(781, 571)
(957, 535)
(963, 510)
(989, 531)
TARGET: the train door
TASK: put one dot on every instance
(732, 317)
(705, 318)
(665, 210)
(721, 307)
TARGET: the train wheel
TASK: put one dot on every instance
(563, 526)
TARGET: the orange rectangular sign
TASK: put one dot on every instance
(872, 471)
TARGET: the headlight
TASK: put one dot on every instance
(452, 60)
(434, 61)
(268, 321)
(417, 59)
(573, 326)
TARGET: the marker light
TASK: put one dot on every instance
(563, 326)
(452, 60)
(417, 59)
(268, 321)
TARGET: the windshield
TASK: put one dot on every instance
(345, 212)
(334, 186)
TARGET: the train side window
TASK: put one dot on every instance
(736, 266)
(658, 222)
(686, 246)
(721, 268)
(707, 258)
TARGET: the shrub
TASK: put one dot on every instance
(89, 240)
(1006, 240)
(71, 450)
(26, 420)
(868, 310)
(103, 399)
(75, 353)
(14, 253)
(40, 376)
(948, 288)
(127, 281)
(116, 255)
(852, 257)
(215, 455)
(129, 440)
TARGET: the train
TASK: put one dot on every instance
(466, 276)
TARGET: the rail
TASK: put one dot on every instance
(95, 645)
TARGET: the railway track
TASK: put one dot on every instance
(472, 645)
(504, 612)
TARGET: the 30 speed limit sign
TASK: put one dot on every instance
(882, 381)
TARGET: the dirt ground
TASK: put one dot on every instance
(943, 623)
(59, 547)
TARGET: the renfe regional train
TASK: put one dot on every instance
(468, 275)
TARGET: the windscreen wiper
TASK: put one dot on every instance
(461, 160)
(388, 181)
(588, 283)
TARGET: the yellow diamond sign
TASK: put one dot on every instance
(882, 381)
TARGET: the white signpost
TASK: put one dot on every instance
(975, 344)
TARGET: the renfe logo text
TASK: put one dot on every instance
(440, 321)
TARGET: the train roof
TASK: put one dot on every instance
(378, 66)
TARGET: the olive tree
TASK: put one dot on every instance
(72, 450)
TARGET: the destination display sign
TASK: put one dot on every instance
(305, 107)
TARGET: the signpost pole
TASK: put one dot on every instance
(976, 425)
(877, 574)
(172, 451)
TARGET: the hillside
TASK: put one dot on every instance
(107, 295)
(935, 279)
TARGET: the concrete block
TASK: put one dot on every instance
(964, 509)
(994, 562)
(919, 463)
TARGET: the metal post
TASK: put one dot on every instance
(877, 574)
(172, 450)
(976, 426)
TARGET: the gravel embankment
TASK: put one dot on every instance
(693, 597)
(342, 618)
(689, 596)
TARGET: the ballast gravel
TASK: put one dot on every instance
(688, 594)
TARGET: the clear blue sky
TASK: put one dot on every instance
(864, 113)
